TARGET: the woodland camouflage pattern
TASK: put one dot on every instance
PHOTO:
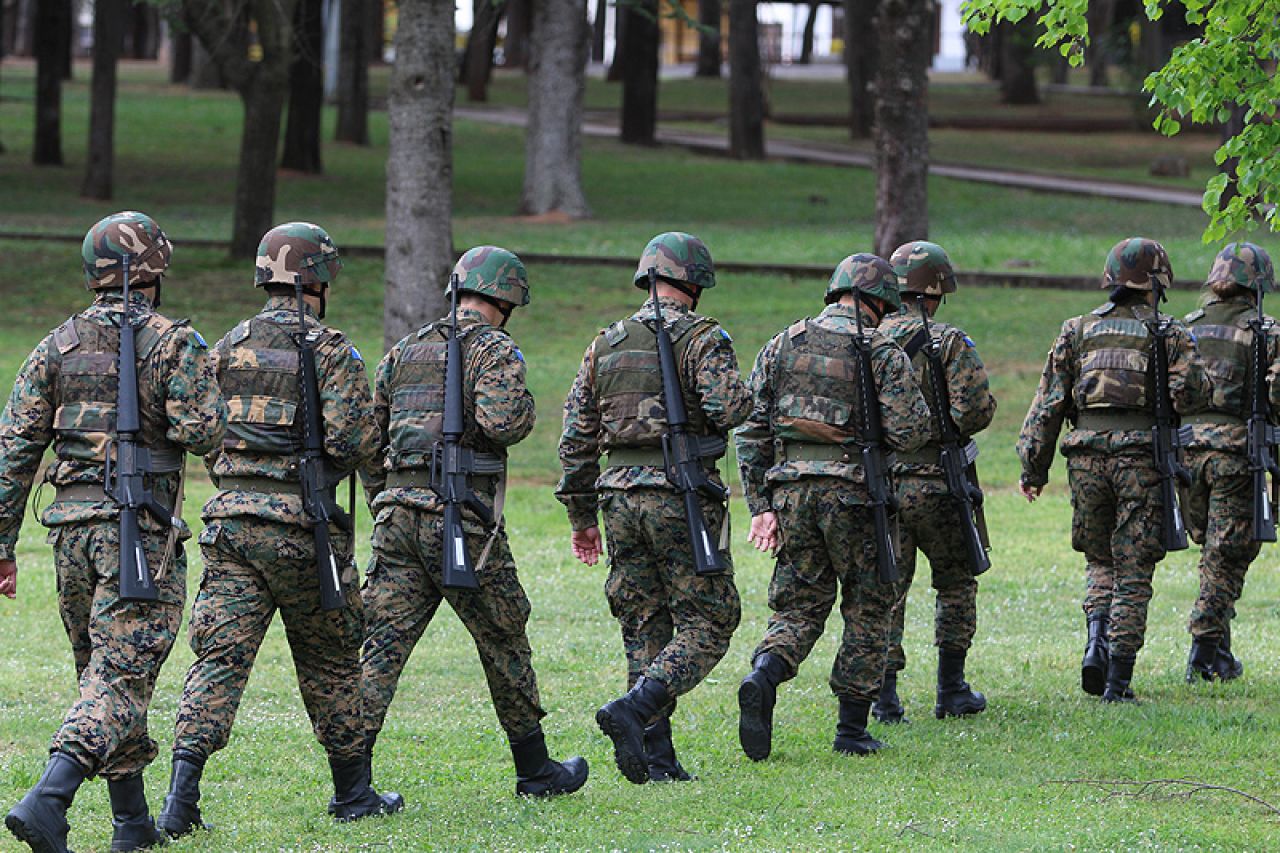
(1246, 265)
(868, 273)
(494, 272)
(679, 257)
(923, 267)
(296, 248)
(1135, 262)
(131, 233)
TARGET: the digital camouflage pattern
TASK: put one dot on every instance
(252, 568)
(679, 257)
(1245, 264)
(923, 267)
(868, 273)
(1219, 517)
(1135, 263)
(296, 249)
(491, 271)
(126, 233)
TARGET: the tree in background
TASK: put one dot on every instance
(477, 59)
(52, 48)
(901, 130)
(108, 40)
(519, 23)
(355, 49)
(638, 54)
(306, 89)
(860, 63)
(746, 86)
(806, 36)
(1100, 15)
(1018, 62)
(708, 39)
(557, 83)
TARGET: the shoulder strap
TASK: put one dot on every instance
(615, 334)
(1104, 309)
(65, 337)
(917, 342)
(240, 333)
(1195, 315)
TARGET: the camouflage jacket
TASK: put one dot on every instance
(350, 434)
(903, 410)
(493, 384)
(972, 406)
(1053, 403)
(709, 369)
(176, 388)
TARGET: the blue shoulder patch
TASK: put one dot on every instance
(355, 353)
(969, 341)
(199, 339)
(1190, 332)
(725, 335)
(519, 354)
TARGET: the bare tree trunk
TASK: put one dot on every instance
(902, 124)
(204, 71)
(353, 73)
(1017, 62)
(142, 39)
(306, 89)
(477, 62)
(24, 30)
(108, 37)
(1060, 67)
(806, 37)
(860, 64)
(67, 22)
(519, 22)
(640, 73)
(419, 243)
(557, 83)
(1100, 15)
(375, 32)
(179, 57)
(50, 47)
(597, 31)
(620, 18)
(708, 42)
(746, 91)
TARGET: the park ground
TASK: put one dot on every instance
(1010, 779)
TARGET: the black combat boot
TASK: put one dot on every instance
(1093, 669)
(852, 737)
(624, 721)
(131, 823)
(661, 752)
(1202, 659)
(756, 697)
(353, 796)
(888, 707)
(180, 814)
(1227, 666)
(955, 697)
(40, 819)
(1119, 674)
(537, 775)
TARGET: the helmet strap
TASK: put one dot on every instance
(694, 293)
(155, 300)
(503, 307)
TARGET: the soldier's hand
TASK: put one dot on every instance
(587, 545)
(764, 532)
(9, 578)
(1030, 492)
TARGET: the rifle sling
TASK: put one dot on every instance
(171, 541)
(917, 342)
(499, 503)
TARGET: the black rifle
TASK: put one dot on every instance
(1166, 438)
(958, 461)
(1262, 436)
(318, 485)
(124, 478)
(452, 465)
(682, 452)
(875, 468)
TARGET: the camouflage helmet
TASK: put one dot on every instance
(296, 248)
(1135, 262)
(868, 273)
(677, 256)
(125, 233)
(1244, 264)
(923, 267)
(493, 272)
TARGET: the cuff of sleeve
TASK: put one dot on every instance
(1034, 480)
(6, 550)
(759, 506)
(580, 519)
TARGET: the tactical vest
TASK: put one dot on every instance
(628, 382)
(816, 395)
(913, 345)
(258, 375)
(1114, 355)
(1223, 337)
(87, 351)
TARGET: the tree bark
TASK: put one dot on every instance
(557, 84)
(179, 57)
(902, 124)
(306, 89)
(204, 71)
(1017, 62)
(419, 242)
(615, 72)
(477, 62)
(519, 23)
(143, 36)
(746, 89)
(353, 73)
(50, 47)
(708, 42)
(1100, 15)
(108, 39)
(860, 64)
(640, 73)
(375, 32)
(806, 37)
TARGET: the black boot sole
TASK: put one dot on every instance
(38, 844)
(755, 733)
(633, 766)
(1093, 678)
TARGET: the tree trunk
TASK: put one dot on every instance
(353, 73)
(306, 88)
(640, 73)
(1017, 62)
(860, 64)
(519, 22)
(375, 32)
(179, 57)
(419, 242)
(557, 83)
(477, 62)
(108, 36)
(620, 18)
(50, 47)
(66, 37)
(204, 71)
(708, 42)
(597, 30)
(1233, 126)
(142, 40)
(24, 29)
(902, 124)
(1100, 16)
(1060, 67)
(806, 38)
(746, 91)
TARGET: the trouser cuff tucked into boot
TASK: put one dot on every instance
(537, 775)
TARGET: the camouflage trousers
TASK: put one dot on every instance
(676, 624)
(119, 646)
(828, 547)
(402, 592)
(1219, 511)
(252, 568)
(924, 523)
(1115, 523)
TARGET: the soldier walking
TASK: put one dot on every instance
(405, 585)
(258, 547)
(1100, 374)
(676, 623)
(806, 487)
(66, 394)
(925, 502)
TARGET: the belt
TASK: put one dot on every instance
(1214, 419)
(1102, 420)
(420, 478)
(803, 451)
(930, 454)
(94, 493)
(710, 448)
(266, 485)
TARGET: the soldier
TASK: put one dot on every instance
(1099, 374)
(925, 276)
(258, 547)
(404, 586)
(676, 624)
(799, 454)
(66, 393)
(1219, 507)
